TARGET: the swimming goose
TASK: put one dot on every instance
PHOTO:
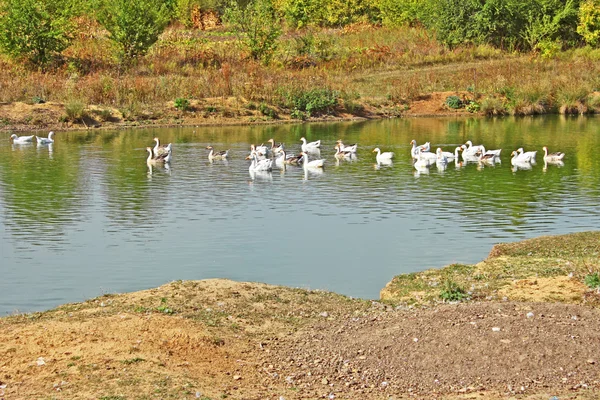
(313, 163)
(260, 155)
(339, 153)
(351, 148)
(310, 146)
(468, 157)
(551, 157)
(426, 147)
(160, 150)
(422, 163)
(530, 154)
(285, 158)
(21, 139)
(415, 148)
(221, 155)
(451, 156)
(380, 157)
(276, 148)
(152, 159)
(517, 158)
(48, 140)
(472, 150)
(495, 153)
(487, 158)
(441, 157)
(259, 165)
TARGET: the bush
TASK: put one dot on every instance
(313, 102)
(454, 102)
(593, 281)
(134, 25)
(267, 111)
(451, 291)
(589, 22)
(182, 104)
(256, 26)
(493, 106)
(75, 110)
(35, 30)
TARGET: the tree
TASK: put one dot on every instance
(134, 25)
(589, 22)
(35, 30)
(257, 26)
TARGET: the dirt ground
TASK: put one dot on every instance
(232, 111)
(217, 339)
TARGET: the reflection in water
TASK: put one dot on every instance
(87, 215)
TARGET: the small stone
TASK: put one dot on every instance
(495, 329)
(331, 396)
(415, 340)
(384, 384)
(237, 377)
(198, 395)
(591, 361)
(324, 381)
(40, 361)
(530, 314)
(324, 314)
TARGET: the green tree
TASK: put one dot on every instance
(134, 25)
(35, 30)
(257, 26)
(589, 22)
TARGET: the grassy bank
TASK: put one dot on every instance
(553, 269)
(193, 76)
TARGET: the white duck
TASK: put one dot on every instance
(350, 149)
(48, 140)
(423, 161)
(441, 158)
(310, 146)
(21, 139)
(259, 154)
(285, 158)
(259, 165)
(415, 149)
(468, 157)
(382, 157)
(451, 156)
(313, 163)
(221, 155)
(552, 157)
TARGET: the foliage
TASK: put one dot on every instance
(183, 10)
(134, 25)
(267, 111)
(182, 104)
(75, 110)
(303, 13)
(473, 107)
(593, 280)
(454, 102)
(546, 23)
(257, 27)
(400, 12)
(35, 30)
(451, 291)
(313, 102)
(589, 22)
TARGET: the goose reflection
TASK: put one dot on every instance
(557, 163)
(152, 168)
(311, 172)
(383, 163)
(260, 175)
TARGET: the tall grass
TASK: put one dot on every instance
(394, 64)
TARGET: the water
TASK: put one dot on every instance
(86, 216)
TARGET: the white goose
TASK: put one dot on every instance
(310, 146)
(530, 154)
(276, 148)
(160, 150)
(313, 163)
(343, 154)
(469, 156)
(451, 156)
(21, 139)
(285, 158)
(473, 150)
(260, 155)
(259, 165)
(487, 158)
(221, 155)
(48, 140)
(382, 157)
(423, 161)
(517, 158)
(552, 157)
(350, 149)
(441, 157)
(415, 149)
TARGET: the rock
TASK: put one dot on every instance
(40, 361)
(530, 314)
(591, 361)
(495, 329)
(237, 377)
(324, 381)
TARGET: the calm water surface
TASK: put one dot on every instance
(86, 216)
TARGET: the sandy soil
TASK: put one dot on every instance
(221, 339)
(232, 111)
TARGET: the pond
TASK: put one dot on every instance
(86, 216)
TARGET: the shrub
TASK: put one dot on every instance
(75, 110)
(592, 280)
(493, 106)
(454, 102)
(182, 104)
(451, 291)
(134, 25)
(256, 26)
(589, 22)
(267, 111)
(35, 30)
(313, 102)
